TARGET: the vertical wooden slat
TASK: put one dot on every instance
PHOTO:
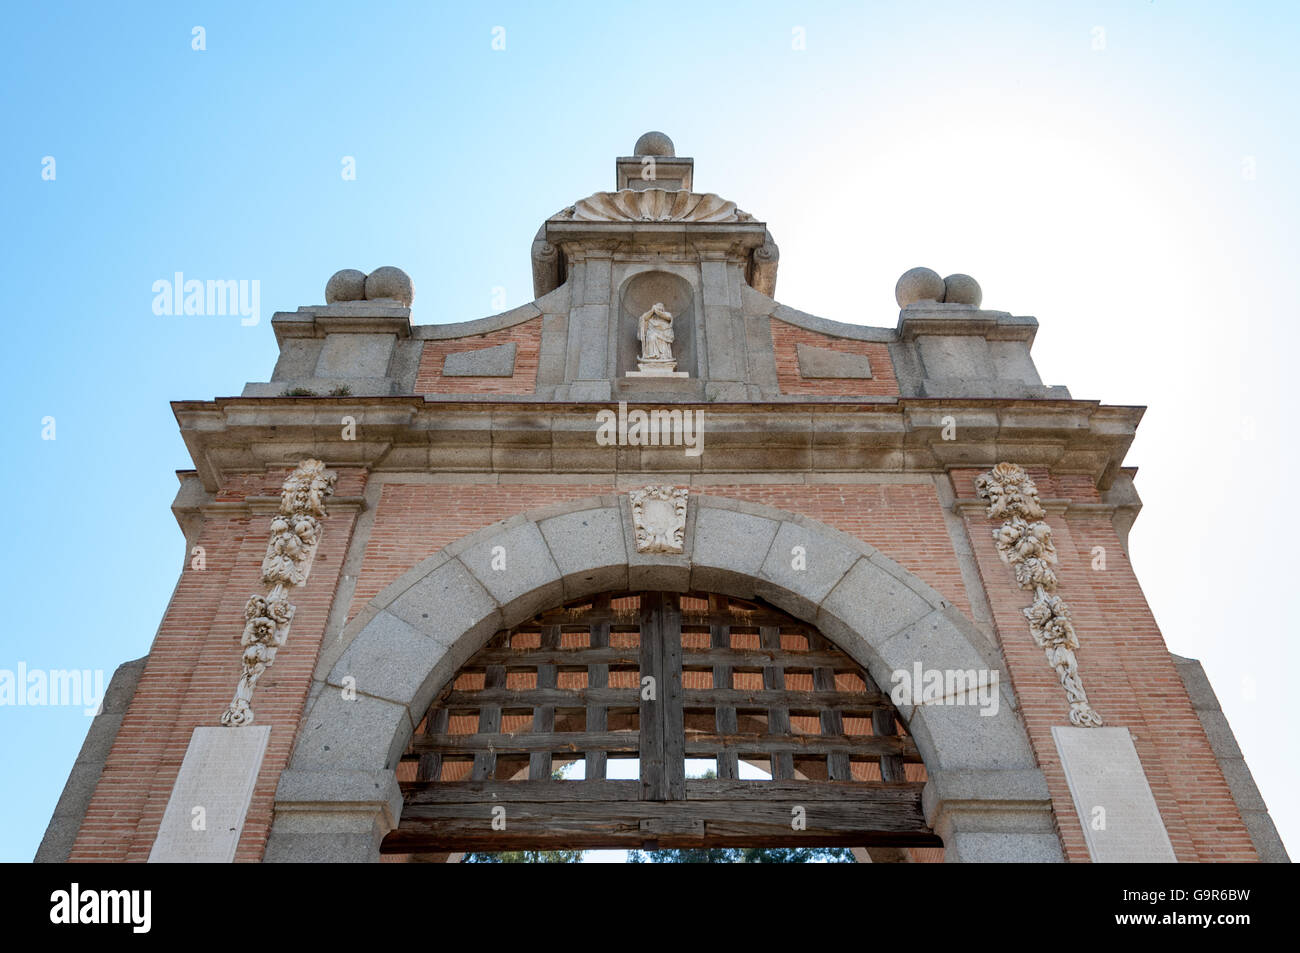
(597, 677)
(653, 783)
(891, 765)
(663, 731)
(724, 716)
(778, 716)
(832, 722)
(489, 722)
(539, 762)
(674, 715)
(430, 764)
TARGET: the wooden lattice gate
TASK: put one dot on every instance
(661, 678)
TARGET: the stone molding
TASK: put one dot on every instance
(1027, 548)
(890, 436)
(295, 534)
(409, 640)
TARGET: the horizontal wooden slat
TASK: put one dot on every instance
(690, 617)
(894, 817)
(696, 744)
(529, 697)
(492, 792)
(713, 789)
(530, 658)
(557, 741)
(695, 697)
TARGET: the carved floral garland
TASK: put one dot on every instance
(1024, 542)
(295, 532)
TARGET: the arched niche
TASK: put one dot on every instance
(637, 296)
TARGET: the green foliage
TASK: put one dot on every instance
(526, 857)
(343, 390)
(745, 855)
(298, 392)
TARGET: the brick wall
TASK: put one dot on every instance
(904, 521)
(527, 337)
(195, 661)
(785, 337)
(1126, 669)
(194, 665)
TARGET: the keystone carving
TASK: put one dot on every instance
(1024, 542)
(659, 518)
(295, 533)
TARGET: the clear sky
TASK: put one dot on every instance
(1124, 171)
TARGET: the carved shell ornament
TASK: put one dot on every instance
(654, 205)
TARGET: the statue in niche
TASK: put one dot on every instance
(655, 332)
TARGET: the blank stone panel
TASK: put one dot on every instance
(1104, 772)
(218, 775)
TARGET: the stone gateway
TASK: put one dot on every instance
(450, 599)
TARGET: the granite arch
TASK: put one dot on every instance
(338, 797)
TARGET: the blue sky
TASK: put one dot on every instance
(1123, 171)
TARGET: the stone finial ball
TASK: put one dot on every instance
(654, 144)
(918, 284)
(962, 289)
(390, 282)
(346, 285)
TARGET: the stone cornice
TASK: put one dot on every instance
(949, 320)
(231, 435)
(360, 317)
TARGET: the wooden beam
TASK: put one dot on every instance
(895, 820)
(697, 745)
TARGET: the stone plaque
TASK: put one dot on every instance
(1121, 823)
(205, 813)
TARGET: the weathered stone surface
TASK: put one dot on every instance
(730, 548)
(918, 284)
(516, 567)
(962, 289)
(346, 733)
(390, 282)
(589, 548)
(215, 783)
(498, 361)
(1104, 772)
(391, 662)
(653, 143)
(346, 285)
(801, 569)
(355, 355)
(448, 603)
(816, 362)
(869, 604)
